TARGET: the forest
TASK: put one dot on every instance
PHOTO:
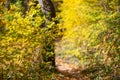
(59, 39)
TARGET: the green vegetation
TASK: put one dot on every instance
(91, 26)
(94, 29)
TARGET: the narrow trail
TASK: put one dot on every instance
(69, 71)
(67, 64)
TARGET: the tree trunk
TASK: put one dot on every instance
(48, 9)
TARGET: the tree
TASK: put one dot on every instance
(25, 41)
(48, 8)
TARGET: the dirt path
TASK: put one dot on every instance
(67, 64)
(69, 71)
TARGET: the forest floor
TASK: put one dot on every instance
(67, 64)
(69, 69)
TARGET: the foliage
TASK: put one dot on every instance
(93, 31)
(23, 43)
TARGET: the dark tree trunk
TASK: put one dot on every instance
(48, 9)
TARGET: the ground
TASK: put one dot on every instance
(67, 64)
